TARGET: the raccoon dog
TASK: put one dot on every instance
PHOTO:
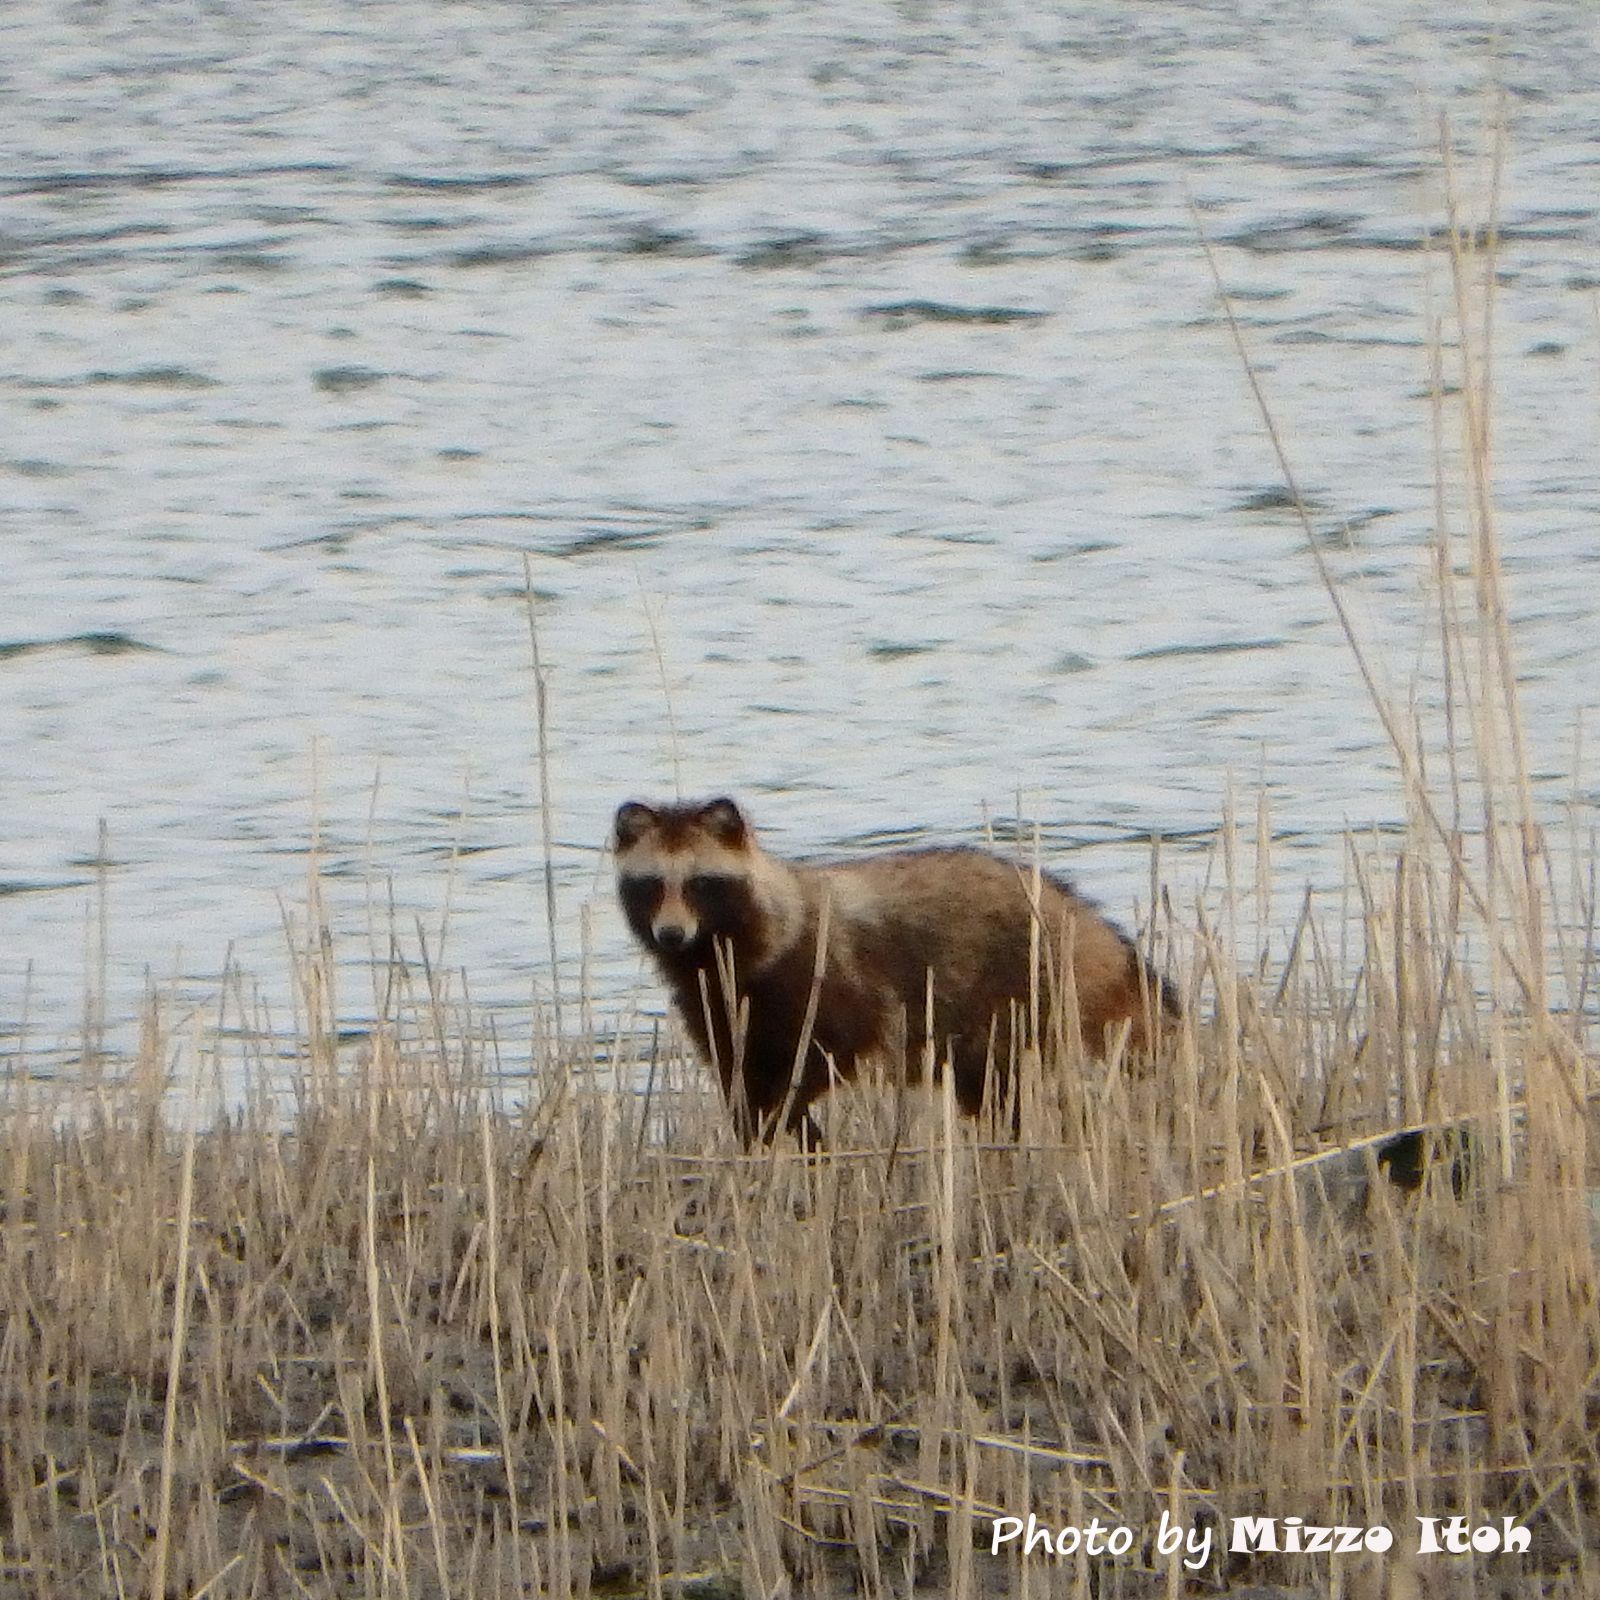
(734, 932)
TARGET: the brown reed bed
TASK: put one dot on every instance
(396, 1341)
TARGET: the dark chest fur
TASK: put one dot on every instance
(849, 1022)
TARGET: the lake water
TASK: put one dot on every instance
(852, 379)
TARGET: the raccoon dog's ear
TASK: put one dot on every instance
(633, 822)
(724, 821)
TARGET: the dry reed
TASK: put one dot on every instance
(402, 1343)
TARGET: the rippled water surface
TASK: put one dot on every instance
(851, 378)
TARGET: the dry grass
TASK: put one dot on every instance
(398, 1341)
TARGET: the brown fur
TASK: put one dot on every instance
(708, 903)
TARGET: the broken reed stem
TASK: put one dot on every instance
(491, 1199)
(177, 1353)
(546, 825)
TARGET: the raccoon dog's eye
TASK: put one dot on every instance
(703, 886)
(649, 884)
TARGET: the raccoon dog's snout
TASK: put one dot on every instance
(672, 937)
